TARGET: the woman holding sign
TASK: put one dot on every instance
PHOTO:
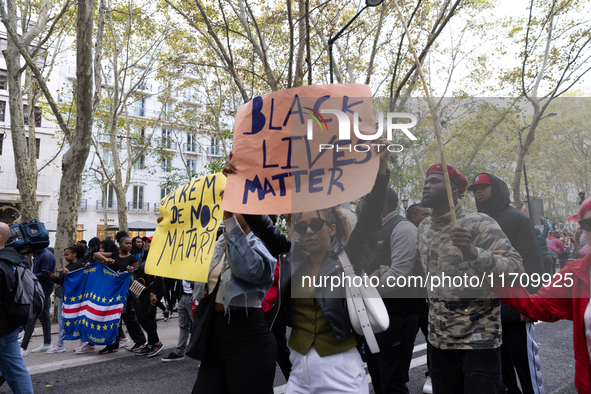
(240, 354)
(324, 356)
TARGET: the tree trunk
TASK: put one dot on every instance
(121, 207)
(74, 159)
(25, 173)
(529, 139)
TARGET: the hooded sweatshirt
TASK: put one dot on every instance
(9, 258)
(515, 224)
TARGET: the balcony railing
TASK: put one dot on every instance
(135, 206)
(109, 205)
(157, 208)
(214, 150)
(166, 143)
(83, 204)
(190, 147)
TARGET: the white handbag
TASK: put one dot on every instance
(367, 311)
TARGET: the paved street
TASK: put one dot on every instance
(124, 372)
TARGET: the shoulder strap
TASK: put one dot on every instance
(354, 294)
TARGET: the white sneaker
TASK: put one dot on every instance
(20, 340)
(124, 341)
(42, 349)
(56, 349)
(87, 348)
(24, 352)
(428, 387)
(79, 347)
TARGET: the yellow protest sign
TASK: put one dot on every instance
(184, 240)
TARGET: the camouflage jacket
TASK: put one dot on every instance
(461, 317)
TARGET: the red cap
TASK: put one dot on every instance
(454, 175)
(147, 238)
(481, 179)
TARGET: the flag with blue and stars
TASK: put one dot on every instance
(93, 301)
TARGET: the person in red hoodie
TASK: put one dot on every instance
(568, 302)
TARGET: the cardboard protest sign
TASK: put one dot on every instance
(184, 240)
(302, 149)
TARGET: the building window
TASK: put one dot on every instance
(2, 111)
(108, 158)
(191, 142)
(3, 44)
(37, 146)
(166, 164)
(109, 193)
(166, 138)
(165, 191)
(138, 197)
(1, 142)
(3, 80)
(192, 166)
(140, 164)
(79, 234)
(166, 110)
(100, 233)
(140, 107)
(37, 112)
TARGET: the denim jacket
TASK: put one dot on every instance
(248, 267)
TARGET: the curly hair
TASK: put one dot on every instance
(109, 246)
(120, 236)
(338, 216)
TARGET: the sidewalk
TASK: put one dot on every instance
(168, 331)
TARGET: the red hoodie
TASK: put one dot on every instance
(553, 303)
(556, 245)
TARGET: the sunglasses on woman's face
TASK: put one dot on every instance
(315, 225)
(585, 224)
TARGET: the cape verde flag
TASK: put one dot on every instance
(93, 301)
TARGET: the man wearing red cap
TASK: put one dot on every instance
(464, 322)
(519, 351)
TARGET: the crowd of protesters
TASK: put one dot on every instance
(255, 286)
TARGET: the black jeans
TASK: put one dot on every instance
(45, 322)
(146, 316)
(466, 371)
(240, 355)
(281, 340)
(389, 368)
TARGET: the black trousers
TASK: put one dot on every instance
(170, 292)
(389, 368)
(466, 371)
(240, 355)
(515, 357)
(281, 340)
(134, 329)
(146, 316)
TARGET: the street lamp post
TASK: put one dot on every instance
(331, 40)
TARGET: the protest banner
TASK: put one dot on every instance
(93, 300)
(184, 240)
(302, 149)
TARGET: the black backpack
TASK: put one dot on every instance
(28, 296)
